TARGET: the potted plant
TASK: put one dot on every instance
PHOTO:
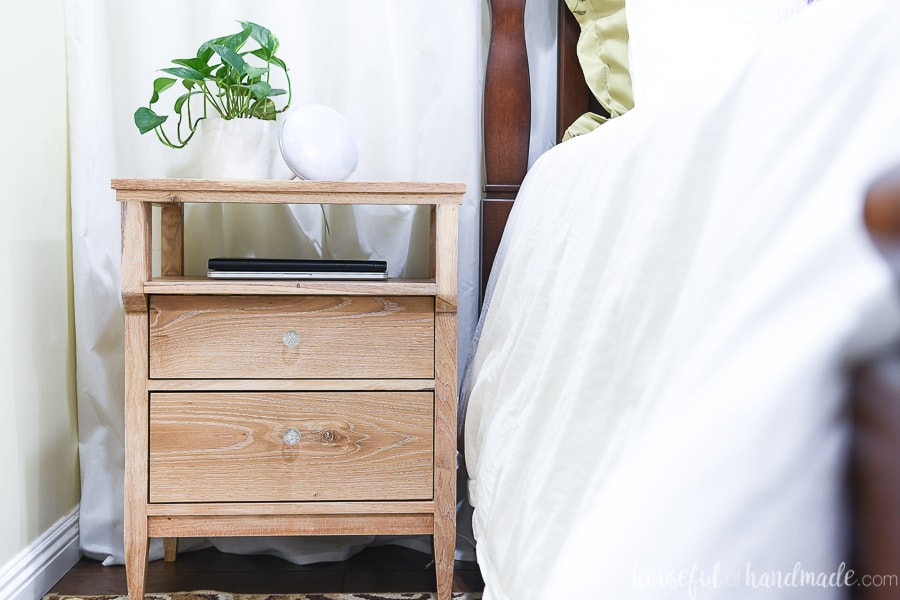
(224, 79)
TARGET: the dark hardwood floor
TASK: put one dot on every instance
(376, 569)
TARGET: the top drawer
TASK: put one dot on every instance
(291, 337)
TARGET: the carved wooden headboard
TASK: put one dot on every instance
(874, 474)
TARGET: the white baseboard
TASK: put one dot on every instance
(31, 573)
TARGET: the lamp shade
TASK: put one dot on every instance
(317, 142)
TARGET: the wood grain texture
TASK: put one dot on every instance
(432, 247)
(136, 452)
(446, 258)
(228, 446)
(361, 387)
(287, 385)
(170, 549)
(343, 337)
(291, 508)
(172, 240)
(176, 191)
(507, 120)
(445, 452)
(222, 287)
(137, 261)
(258, 525)
(507, 96)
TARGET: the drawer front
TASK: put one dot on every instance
(290, 446)
(278, 337)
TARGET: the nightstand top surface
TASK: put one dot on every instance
(176, 191)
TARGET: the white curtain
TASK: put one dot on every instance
(407, 75)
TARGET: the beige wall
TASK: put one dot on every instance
(38, 437)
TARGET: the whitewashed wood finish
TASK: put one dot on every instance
(433, 375)
(287, 385)
(445, 451)
(287, 287)
(445, 263)
(172, 240)
(137, 423)
(255, 525)
(446, 259)
(170, 549)
(177, 191)
(228, 446)
(243, 337)
(396, 507)
(137, 261)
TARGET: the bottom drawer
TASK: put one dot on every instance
(290, 446)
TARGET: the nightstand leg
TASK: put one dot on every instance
(170, 549)
(137, 424)
(445, 452)
(445, 448)
(444, 547)
(136, 560)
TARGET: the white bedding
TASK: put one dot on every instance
(655, 404)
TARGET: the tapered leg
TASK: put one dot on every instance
(136, 543)
(445, 452)
(444, 547)
(136, 449)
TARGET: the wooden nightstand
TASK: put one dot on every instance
(273, 407)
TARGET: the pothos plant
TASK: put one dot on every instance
(224, 79)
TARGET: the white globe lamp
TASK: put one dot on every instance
(318, 143)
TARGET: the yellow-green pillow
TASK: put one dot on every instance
(603, 54)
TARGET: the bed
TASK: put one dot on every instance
(684, 381)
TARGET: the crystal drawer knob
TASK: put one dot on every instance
(291, 339)
(291, 436)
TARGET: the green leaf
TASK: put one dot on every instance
(160, 84)
(185, 73)
(179, 103)
(231, 58)
(147, 120)
(277, 92)
(263, 37)
(204, 53)
(198, 64)
(234, 41)
(260, 53)
(260, 89)
(263, 109)
(255, 72)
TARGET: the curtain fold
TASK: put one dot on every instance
(407, 75)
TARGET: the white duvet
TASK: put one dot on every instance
(655, 404)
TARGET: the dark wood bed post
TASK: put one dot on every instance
(507, 124)
(875, 464)
(507, 112)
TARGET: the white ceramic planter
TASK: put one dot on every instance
(237, 148)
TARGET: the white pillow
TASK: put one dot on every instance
(683, 46)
